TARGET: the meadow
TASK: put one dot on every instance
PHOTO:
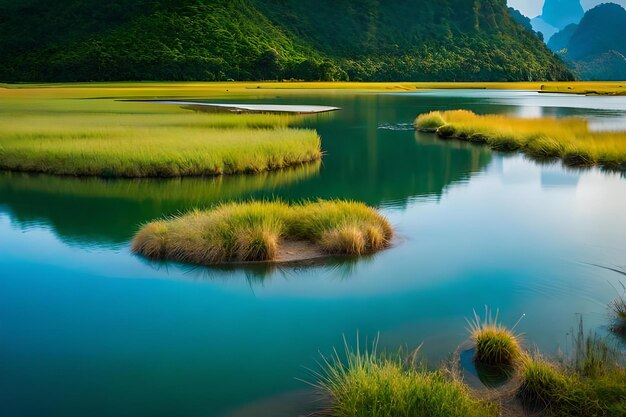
(52, 131)
(260, 231)
(547, 138)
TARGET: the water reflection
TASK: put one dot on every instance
(258, 274)
(379, 166)
(94, 211)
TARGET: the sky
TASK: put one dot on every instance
(532, 8)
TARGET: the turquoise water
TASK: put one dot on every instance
(87, 329)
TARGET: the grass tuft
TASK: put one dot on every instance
(429, 122)
(369, 384)
(568, 139)
(495, 344)
(254, 231)
(618, 312)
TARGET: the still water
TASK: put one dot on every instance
(87, 329)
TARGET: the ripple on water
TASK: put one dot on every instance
(401, 127)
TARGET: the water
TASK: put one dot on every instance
(88, 329)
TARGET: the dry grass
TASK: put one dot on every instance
(568, 139)
(215, 89)
(254, 231)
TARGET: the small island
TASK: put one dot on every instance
(265, 231)
(568, 139)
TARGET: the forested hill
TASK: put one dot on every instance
(446, 40)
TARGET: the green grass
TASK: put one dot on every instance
(590, 383)
(561, 393)
(64, 131)
(567, 139)
(158, 152)
(495, 344)
(255, 231)
(367, 384)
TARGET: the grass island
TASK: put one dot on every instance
(265, 231)
(568, 139)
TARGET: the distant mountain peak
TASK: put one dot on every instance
(560, 13)
(596, 47)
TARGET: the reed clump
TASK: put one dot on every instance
(495, 344)
(567, 139)
(618, 313)
(367, 383)
(256, 231)
(590, 383)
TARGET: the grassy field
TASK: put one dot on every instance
(567, 139)
(256, 231)
(60, 131)
(152, 152)
(247, 89)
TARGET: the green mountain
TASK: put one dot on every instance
(521, 19)
(596, 48)
(420, 40)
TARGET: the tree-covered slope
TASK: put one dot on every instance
(83, 40)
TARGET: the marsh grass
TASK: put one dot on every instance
(255, 230)
(592, 382)
(618, 312)
(495, 344)
(50, 131)
(366, 383)
(567, 139)
(165, 152)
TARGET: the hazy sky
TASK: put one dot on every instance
(532, 8)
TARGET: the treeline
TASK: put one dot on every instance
(369, 40)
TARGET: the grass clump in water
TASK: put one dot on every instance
(495, 344)
(618, 312)
(591, 383)
(256, 231)
(367, 384)
(567, 139)
(429, 122)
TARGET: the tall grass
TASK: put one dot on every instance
(618, 312)
(568, 139)
(255, 231)
(590, 383)
(368, 384)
